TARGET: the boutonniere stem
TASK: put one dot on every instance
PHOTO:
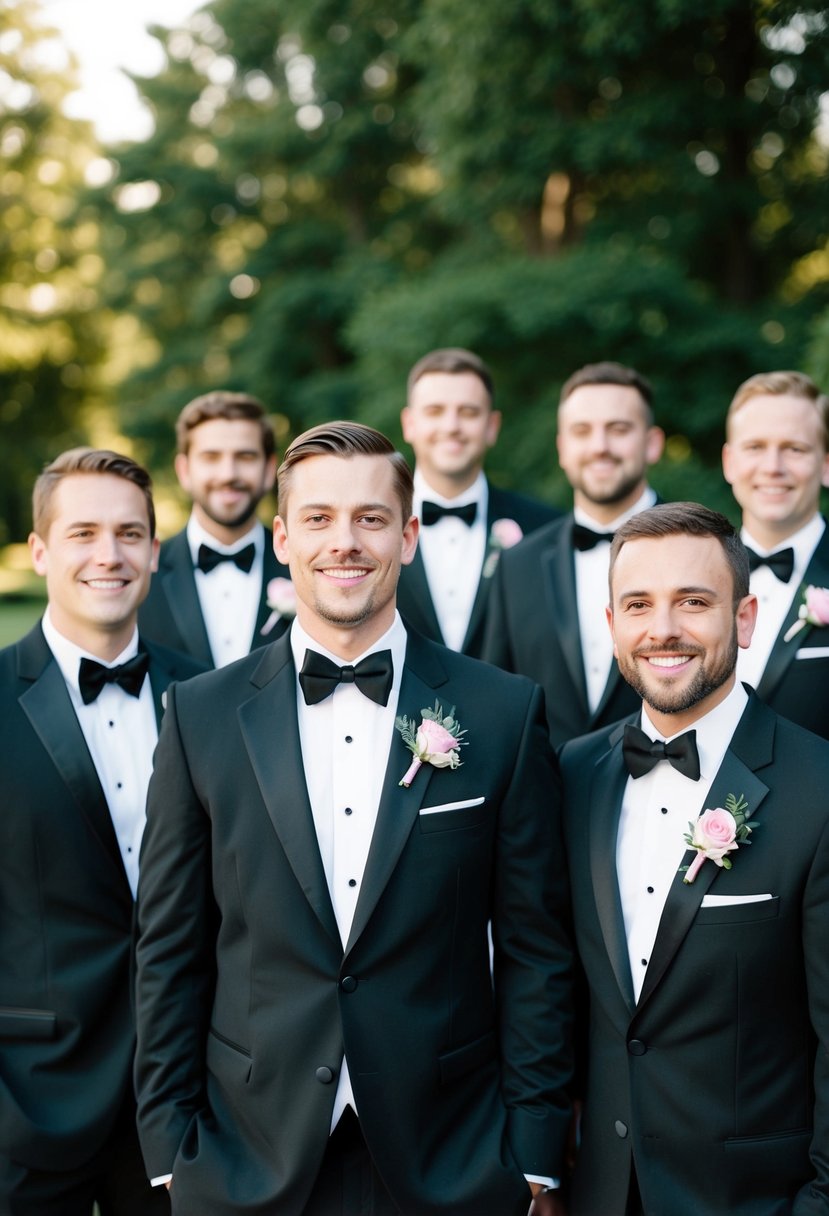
(717, 833)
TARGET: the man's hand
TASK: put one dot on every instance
(548, 1203)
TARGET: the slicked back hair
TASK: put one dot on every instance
(86, 461)
(454, 360)
(346, 439)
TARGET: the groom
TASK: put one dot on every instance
(707, 1083)
(319, 1028)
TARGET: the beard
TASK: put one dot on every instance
(243, 515)
(708, 677)
(618, 492)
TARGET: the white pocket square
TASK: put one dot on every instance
(723, 901)
(813, 652)
(452, 806)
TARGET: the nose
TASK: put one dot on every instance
(108, 550)
(662, 624)
(771, 460)
(344, 537)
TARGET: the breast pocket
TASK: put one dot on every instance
(739, 914)
(453, 816)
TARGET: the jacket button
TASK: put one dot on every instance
(348, 983)
(636, 1047)
(324, 1075)
(620, 1129)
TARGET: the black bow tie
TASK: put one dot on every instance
(642, 754)
(585, 538)
(431, 512)
(780, 563)
(373, 676)
(92, 676)
(208, 559)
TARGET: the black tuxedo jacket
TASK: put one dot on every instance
(533, 629)
(171, 613)
(66, 1023)
(795, 681)
(247, 999)
(414, 598)
(710, 1083)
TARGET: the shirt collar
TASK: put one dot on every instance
(68, 655)
(646, 499)
(714, 730)
(197, 535)
(804, 541)
(394, 639)
(477, 493)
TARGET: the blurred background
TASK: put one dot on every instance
(298, 198)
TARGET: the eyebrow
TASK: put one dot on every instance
(626, 595)
(359, 509)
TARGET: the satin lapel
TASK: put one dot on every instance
(750, 748)
(271, 568)
(399, 807)
(48, 707)
(415, 599)
(559, 575)
(179, 585)
(271, 732)
(783, 653)
(605, 807)
(476, 616)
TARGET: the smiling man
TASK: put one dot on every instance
(82, 697)
(320, 1030)
(707, 1085)
(450, 422)
(210, 595)
(775, 459)
(546, 615)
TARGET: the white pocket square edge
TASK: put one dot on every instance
(452, 806)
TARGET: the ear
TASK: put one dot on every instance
(411, 531)
(406, 423)
(493, 427)
(280, 540)
(182, 467)
(154, 558)
(728, 466)
(824, 477)
(37, 551)
(745, 620)
(654, 444)
(608, 612)
(270, 472)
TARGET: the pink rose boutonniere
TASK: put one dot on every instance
(435, 741)
(813, 611)
(281, 599)
(717, 833)
(503, 534)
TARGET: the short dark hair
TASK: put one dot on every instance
(686, 519)
(346, 439)
(782, 384)
(609, 372)
(223, 404)
(86, 461)
(454, 360)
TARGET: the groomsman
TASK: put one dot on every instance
(546, 616)
(698, 842)
(320, 1030)
(775, 459)
(81, 699)
(465, 520)
(210, 595)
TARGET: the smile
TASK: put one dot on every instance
(106, 584)
(668, 661)
(346, 573)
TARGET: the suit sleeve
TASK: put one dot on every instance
(813, 1199)
(175, 952)
(533, 955)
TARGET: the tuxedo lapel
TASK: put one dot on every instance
(560, 580)
(782, 652)
(494, 510)
(416, 603)
(751, 748)
(605, 803)
(277, 766)
(399, 807)
(271, 568)
(179, 585)
(48, 707)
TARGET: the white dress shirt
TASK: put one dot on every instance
(229, 597)
(774, 597)
(656, 811)
(453, 555)
(121, 733)
(592, 597)
(345, 742)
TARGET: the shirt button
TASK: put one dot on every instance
(348, 811)
(650, 890)
(349, 739)
(664, 810)
(352, 882)
(119, 785)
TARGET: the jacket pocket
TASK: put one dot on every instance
(739, 914)
(226, 1060)
(27, 1023)
(461, 1060)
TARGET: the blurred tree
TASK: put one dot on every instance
(334, 188)
(49, 342)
